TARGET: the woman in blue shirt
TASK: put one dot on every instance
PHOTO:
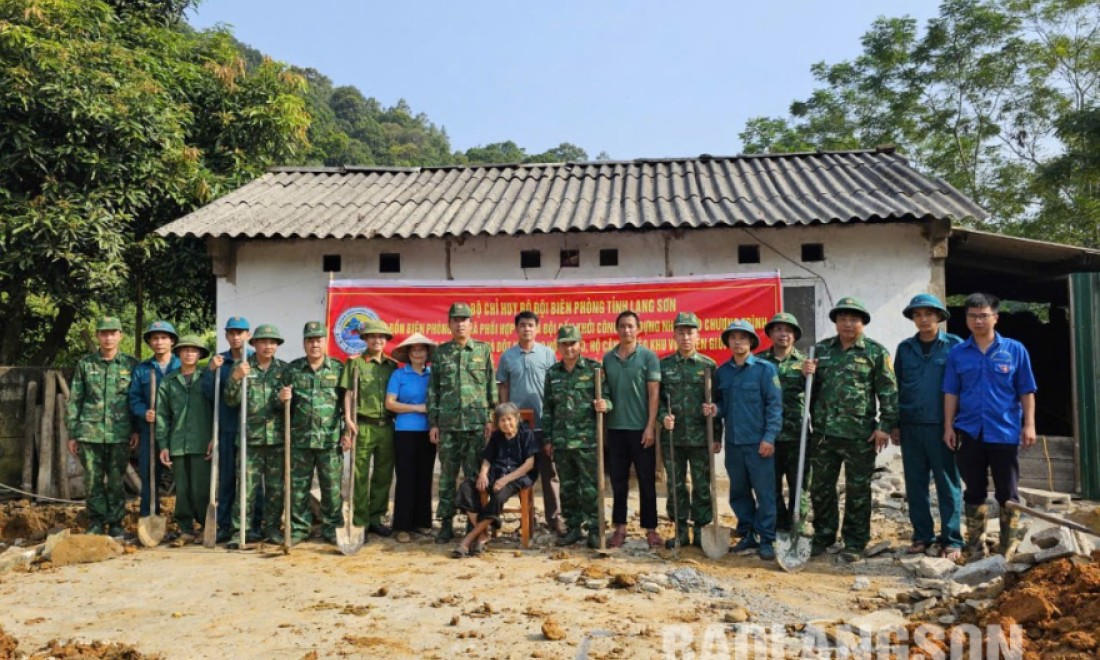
(414, 454)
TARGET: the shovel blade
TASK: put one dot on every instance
(151, 530)
(349, 540)
(715, 541)
(210, 528)
(792, 551)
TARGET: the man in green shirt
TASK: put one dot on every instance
(462, 393)
(369, 418)
(784, 331)
(634, 376)
(313, 389)
(101, 429)
(185, 425)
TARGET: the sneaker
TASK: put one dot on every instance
(766, 551)
(224, 534)
(379, 529)
(850, 555)
(746, 544)
(697, 536)
(593, 540)
(572, 537)
(275, 538)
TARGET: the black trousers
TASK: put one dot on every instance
(624, 448)
(977, 459)
(469, 499)
(414, 462)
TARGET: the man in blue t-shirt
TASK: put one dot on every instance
(989, 413)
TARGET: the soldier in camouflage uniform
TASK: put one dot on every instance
(266, 377)
(101, 427)
(369, 418)
(185, 425)
(784, 331)
(855, 384)
(462, 393)
(313, 389)
(569, 407)
(683, 380)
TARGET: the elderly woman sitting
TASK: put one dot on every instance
(506, 462)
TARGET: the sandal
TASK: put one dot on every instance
(918, 548)
(460, 552)
(403, 537)
(617, 539)
(954, 554)
(654, 540)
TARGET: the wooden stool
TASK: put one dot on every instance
(526, 515)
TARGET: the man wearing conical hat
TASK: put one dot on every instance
(374, 459)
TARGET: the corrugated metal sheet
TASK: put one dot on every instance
(787, 189)
(1085, 313)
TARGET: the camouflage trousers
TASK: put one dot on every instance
(697, 500)
(104, 466)
(457, 450)
(192, 475)
(328, 463)
(786, 468)
(264, 471)
(372, 486)
(857, 456)
(577, 479)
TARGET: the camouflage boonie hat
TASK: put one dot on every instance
(789, 319)
(160, 326)
(688, 319)
(191, 341)
(568, 333)
(459, 310)
(266, 331)
(925, 300)
(314, 329)
(741, 325)
(375, 327)
(850, 304)
(107, 323)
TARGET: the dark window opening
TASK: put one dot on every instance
(748, 254)
(389, 262)
(530, 259)
(813, 252)
(330, 263)
(609, 257)
(570, 258)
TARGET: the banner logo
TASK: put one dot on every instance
(346, 329)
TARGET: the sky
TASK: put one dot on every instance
(638, 79)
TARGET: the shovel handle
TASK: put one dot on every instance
(600, 517)
(153, 444)
(1043, 515)
(795, 515)
(350, 522)
(286, 476)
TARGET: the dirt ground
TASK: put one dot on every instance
(405, 600)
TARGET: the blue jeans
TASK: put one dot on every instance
(752, 490)
(143, 472)
(924, 455)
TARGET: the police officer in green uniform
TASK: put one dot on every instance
(683, 381)
(374, 424)
(784, 331)
(855, 405)
(101, 429)
(462, 393)
(569, 406)
(312, 387)
(264, 430)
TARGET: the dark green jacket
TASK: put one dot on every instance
(185, 416)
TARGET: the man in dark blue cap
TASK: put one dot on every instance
(160, 336)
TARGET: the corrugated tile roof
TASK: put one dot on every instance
(774, 189)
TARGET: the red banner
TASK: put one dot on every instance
(410, 307)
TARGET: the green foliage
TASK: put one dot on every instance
(985, 97)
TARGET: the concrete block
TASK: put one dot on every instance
(981, 571)
(935, 567)
(1054, 543)
(1045, 499)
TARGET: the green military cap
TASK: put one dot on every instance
(266, 331)
(375, 327)
(568, 333)
(106, 323)
(688, 319)
(741, 325)
(926, 300)
(850, 304)
(160, 326)
(314, 329)
(191, 341)
(459, 310)
(789, 319)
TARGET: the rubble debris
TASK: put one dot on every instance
(981, 571)
(15, 559)
(84, 549)
(552, 631)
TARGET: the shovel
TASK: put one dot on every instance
(243, 476)
(675, 497)
(349, 538)
(210, 528)
(286, 477)
(601, 522)
(1043, 515)
(151, 528)
(715, 538)
(792, 549)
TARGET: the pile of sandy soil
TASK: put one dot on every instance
(23, 519)
(71, 650)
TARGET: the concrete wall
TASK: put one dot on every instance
(282, 281)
